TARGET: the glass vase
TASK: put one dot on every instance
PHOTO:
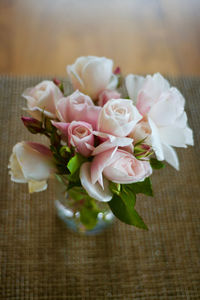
(89, 220)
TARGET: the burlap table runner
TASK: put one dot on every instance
(41, 259)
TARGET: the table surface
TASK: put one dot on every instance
(40, 259)
(141, 36)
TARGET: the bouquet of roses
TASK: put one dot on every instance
(104, 138)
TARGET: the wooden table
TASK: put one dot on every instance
(142, 36)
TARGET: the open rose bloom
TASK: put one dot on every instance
(103, 145)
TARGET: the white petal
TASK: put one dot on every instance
(96, 75)
(15, 170)
(113, 82)
(134, 84)
(166, 111)
(173, 136)
(33, 166)
(37, 186)
(189, 136)
(155, 140)
(76, 81)
(155, 85)
(94, 190)
(171, 156)
(181, 121)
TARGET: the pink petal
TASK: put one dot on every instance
(63, 127)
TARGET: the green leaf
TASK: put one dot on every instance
(78, 193)
(88, 215)
(74, 178)
(54, 138)
(139, 143)
(143, 187)
(48, 125)
(156, 164)
(115, 187)
(72, 184)
(128, 196)
(124, 210)
(75, 162)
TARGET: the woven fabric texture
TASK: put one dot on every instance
(41, 259)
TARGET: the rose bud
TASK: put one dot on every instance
(117, 71)
(33, 125)
(142, 150)
(106, 95)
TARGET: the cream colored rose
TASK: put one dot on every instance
(91, 75)
(42, 99)
(30, 163)
(118, 117)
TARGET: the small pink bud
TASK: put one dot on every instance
(117, 71)
(56, 81)
(59, 84)
(33, 125)
(145, 147)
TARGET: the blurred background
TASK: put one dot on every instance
(141, 36)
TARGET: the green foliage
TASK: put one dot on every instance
(156, 164)
(75, 162)
(124, 199)
(128, 196)
(78, 193)
(123, 208)
(115, 187)
(64, 150)
(88, 214)
(143, 187)
(48, 125)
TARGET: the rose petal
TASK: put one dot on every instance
(98, 164)
(155, 140)
(134, 84)
(171, 156)
(116, 142)
(94, 190)
(37, 186)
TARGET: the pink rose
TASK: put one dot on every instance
(31, 163)
(42, 99)
(79, 135)
(78, 107)
(118, 117)
(119, 166)
(106, 95)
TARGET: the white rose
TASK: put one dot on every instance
(42, 99)
(30, 163)
(91, 75)
(163, 107)
(118, 117)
